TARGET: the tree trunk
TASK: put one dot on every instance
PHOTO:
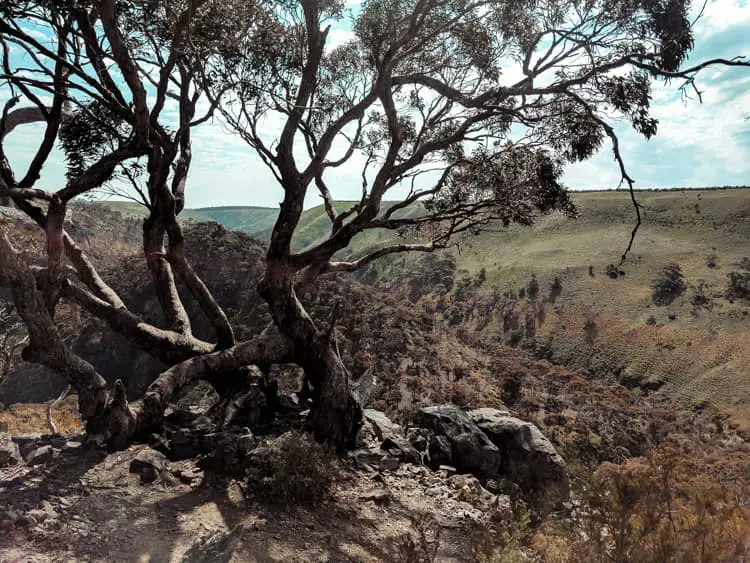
(45, 344)
(336, 414)
(175, 316)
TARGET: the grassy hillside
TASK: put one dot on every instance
(258, 221)
(315, 225)
(695, 354)
(248, 219)
(695, 350)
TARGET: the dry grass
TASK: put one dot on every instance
(32, 418)
(700, 355)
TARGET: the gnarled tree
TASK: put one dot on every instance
(462, 112)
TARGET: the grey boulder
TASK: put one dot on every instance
(471, 450)
(529, 458)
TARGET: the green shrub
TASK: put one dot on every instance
(291, 469)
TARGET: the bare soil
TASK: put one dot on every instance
(87, 506)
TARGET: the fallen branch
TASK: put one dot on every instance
(51, 423)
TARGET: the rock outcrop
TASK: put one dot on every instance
(470, 449)
(506, 454)
(9, 452)
(528, 457)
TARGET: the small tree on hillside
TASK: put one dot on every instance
(470, 108)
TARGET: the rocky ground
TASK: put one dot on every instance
(64, 499)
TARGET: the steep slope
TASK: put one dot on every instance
(694, 350)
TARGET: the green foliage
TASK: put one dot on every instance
(291, 469)
(90, 133)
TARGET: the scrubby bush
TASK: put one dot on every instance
(481, 277)
(668, 286)
(590, 327)
(532, 290)
(651, 321)
(555, 289)
(739, 285)
(420, 543)
(613, 271)
(711, 261)
(699, 299)
(655, 509)
(504, 542)
(291, 469)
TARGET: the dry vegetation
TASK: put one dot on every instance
(693, 351)
(31, 418)
(653, 483)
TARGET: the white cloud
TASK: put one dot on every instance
(721, 15)
(338, 37)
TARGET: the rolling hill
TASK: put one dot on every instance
(695, 350)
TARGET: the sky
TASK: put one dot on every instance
(697, 145)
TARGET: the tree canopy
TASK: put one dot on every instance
(471, 108)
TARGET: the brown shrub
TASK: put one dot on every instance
(655, 508)
(420, 543)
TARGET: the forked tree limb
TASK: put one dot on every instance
(199, 290)
(175, 315)
(167, 346)
(129, 419)
(88, 274)
(204, 297)
(45, 344)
